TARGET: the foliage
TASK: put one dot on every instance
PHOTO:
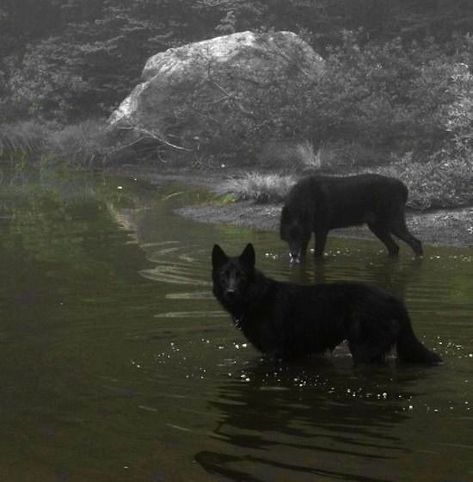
(84, 71)
(85, 144)
(441, 182)
(397, 84)
(71, 60)
(27, 136)
(387, 95)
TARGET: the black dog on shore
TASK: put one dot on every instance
(287, 320)
(317, 204)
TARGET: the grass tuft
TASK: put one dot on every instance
(26, 136)
(262, 188)
(308, 158)
(82, 145)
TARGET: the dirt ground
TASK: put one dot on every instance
(440, 227)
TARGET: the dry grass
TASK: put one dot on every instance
(308, 158)
(81, 145)
(28, 136)
(289, 155)
(258, 187)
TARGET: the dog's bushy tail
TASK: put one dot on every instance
(409, 347)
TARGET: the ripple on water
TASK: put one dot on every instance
(190, 314)
(177, 265)
(190, 295)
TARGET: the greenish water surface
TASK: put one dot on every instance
(117, 364)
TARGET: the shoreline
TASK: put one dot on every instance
(447, 227)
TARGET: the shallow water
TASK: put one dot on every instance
(118, 365)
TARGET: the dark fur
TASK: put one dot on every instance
(317, 204)
(287, 320)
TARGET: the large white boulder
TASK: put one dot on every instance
(220, 77)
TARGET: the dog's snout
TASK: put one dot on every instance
(230, 293)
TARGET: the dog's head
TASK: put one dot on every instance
(295, 230)
(232, 276)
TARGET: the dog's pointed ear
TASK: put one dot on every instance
(248, 256)
(218, 256)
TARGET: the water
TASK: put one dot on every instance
(118, 365)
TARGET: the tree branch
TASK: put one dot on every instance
(156, 137)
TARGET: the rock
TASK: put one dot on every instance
(187, 90)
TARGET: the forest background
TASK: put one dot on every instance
(397, 92)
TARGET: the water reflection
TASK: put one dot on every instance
(306, 418)
(392, 274)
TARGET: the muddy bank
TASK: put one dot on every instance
(453, 228)
(440, 227)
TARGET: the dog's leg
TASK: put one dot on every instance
(320, 241)
(400, 230)
(366, 353)
(382, 233)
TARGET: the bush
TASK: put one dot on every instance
(386, 96)
(83, 145)
(442, 182)
(26, 136)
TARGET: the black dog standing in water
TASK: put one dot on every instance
(287, 320)
(317, 204)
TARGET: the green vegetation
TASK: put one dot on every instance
(396, 95)
(441, 182)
